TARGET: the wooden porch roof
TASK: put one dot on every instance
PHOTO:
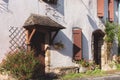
(42, 22)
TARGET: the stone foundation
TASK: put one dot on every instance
(65, 70)
(106, 64)
(6, 77)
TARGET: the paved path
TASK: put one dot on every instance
(109, 77)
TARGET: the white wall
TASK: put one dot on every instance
(82, 14)
(119, 13)
(13, 13)
(70, 13)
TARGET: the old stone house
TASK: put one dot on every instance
(59, 30)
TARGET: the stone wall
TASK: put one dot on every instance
(64, 70)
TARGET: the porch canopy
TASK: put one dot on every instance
(41, 23)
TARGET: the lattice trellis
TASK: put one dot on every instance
(17, 38)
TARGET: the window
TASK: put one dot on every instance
(51, 1)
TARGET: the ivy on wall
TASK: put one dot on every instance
(112, 31)
(118, 36)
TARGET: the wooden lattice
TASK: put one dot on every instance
(17, 38)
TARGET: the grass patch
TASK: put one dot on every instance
(89, 73)
(118, 66)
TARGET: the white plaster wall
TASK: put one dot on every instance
(70, 13)
(119, 13)
(13, 13)
(116, 20)
(82, 14)
(116, 7)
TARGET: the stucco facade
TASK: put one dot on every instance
(69, 13)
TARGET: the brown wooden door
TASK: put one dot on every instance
(38, 45)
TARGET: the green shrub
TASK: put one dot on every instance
(22, 65)
(110, 31)
(89, 73)
(83, 63)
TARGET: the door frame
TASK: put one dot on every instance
(97, 42)
(29, 35)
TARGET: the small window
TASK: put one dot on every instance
(51, 1)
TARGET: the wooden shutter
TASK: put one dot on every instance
(111, 10)
(77, 44)
(100, 8)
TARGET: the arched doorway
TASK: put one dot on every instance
(97, 42)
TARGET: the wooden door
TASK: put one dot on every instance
(97, 43)
(38, 45)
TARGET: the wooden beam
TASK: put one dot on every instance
(52, 39)
(33, 31)
(27, 40)
(27, 37)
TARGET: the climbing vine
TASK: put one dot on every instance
(110, 30)
(118, 36)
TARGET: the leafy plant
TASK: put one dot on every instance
(58, 45)
(118, 37)
(83, 63)
(110, 32)
(118, 66)
(21, 64)
(89, 73)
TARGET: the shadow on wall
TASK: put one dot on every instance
(116, 18)
(92, 22)
(59, 7)
(4, 6)
(68, 46)
(6, 1)
(67, 43)
(85, 47)
(116, 14)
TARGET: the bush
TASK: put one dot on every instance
(83, 63)
(110, 32)
(22, 65)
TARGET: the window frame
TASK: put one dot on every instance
(51, 1)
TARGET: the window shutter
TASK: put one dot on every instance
(111, 10)
(100, 8)
(77, 44)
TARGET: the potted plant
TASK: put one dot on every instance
(83, 65)
(58, 45)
